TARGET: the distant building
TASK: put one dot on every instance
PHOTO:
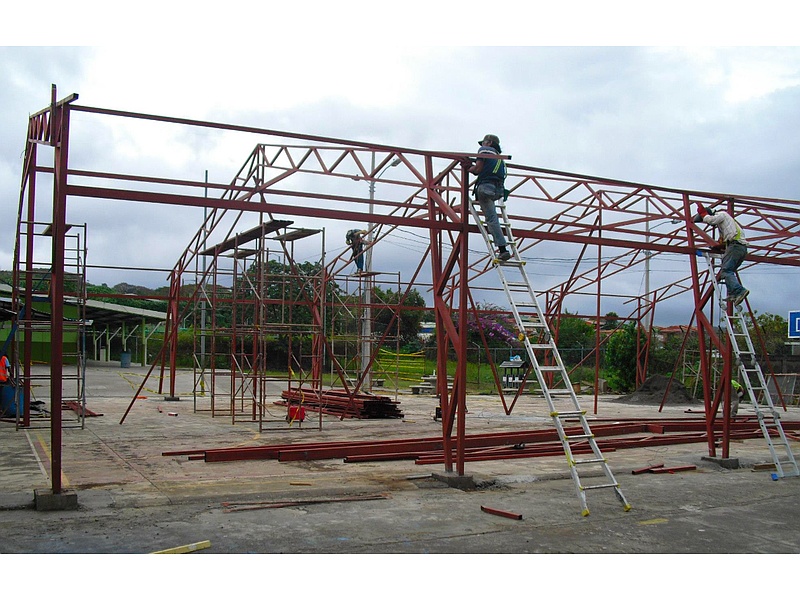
(662, 333)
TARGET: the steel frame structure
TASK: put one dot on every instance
(611, 223)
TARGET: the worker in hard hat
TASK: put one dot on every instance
(733, 239)
(489, 188)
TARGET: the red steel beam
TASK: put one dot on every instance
(493, 446)
(501, 513)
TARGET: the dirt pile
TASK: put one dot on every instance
(654, 388)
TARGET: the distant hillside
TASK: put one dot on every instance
(139, 290)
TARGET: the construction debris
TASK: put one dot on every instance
(660, 468)
(646, 469)
(79, 409)
(501, 513)
(657, 390)
(675, 469)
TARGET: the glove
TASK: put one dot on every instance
(698, 218)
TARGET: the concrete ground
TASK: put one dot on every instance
(133, 500)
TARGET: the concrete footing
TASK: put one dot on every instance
(47, 500)
(172, 398)
(461, 482)
(725, 463)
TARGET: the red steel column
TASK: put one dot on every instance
(27, 348)
(460, 378)
(441, 314)
(60, 140)
(704, 328)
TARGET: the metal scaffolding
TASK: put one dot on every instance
(31, 293)
(236, 312)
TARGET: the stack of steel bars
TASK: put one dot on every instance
(342, 403)
(612, 435)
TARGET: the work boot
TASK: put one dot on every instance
(740, 297)
(504, 256)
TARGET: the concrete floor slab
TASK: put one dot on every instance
(132, 499)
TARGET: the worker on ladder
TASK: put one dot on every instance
(735, 245)
(489, 187)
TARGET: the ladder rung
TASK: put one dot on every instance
(560, 393)
(588, 461)
(769, 413)
(568, 414)
(599, 486)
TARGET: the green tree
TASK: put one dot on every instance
(620, 358)
(575, 338)
(409, 314)
(574, 332)
(665, 355)
(611, 321)
(775, 331)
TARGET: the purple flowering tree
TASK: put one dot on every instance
(498, 328)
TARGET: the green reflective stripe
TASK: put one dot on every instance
(497, 165)
(738, 235)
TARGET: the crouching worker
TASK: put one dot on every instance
(355, 239)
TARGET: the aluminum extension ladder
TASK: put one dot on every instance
(546, 362)
(754, 382)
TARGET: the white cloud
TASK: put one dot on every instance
(704, 118)
(744, 74)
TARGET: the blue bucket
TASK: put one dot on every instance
(8, 405)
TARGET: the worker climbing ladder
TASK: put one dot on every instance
(550, 372)
(753, 378)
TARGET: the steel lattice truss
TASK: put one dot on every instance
(606, 226)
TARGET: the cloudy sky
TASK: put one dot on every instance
(682, 104)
